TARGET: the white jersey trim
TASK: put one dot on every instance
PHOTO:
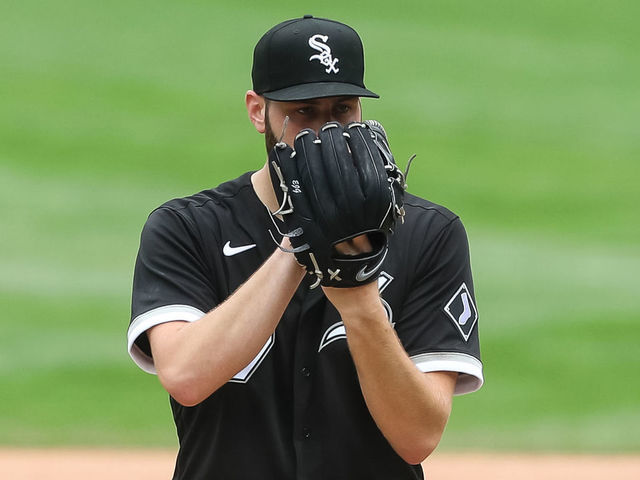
(144, 322)
(469, 368)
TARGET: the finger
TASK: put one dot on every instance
(372, 174)
(346, 248)
(354, 246)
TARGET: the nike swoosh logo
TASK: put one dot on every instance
(230, 251)
(363, 274)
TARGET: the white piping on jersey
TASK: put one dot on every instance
(143, 322)
(244, 375)
(384, 280)
(335, 332)
(469, 368)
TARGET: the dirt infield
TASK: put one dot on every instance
(59, 464)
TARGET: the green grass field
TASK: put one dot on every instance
(524, 116)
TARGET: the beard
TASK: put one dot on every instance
(270, 139)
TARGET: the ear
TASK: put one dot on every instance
(256, 110)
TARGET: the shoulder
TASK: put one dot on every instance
(210, 198)
(425, 214)
(205, 205)
(430, 233)
(422, 206)
(195, 216)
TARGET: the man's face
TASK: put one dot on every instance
(311, 113)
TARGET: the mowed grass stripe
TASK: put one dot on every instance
(527, 279)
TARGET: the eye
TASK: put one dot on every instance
(343, 108)
(306, 111)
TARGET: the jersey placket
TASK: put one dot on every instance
(307, 443)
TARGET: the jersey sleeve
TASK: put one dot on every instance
(171, 280)
(439, 320)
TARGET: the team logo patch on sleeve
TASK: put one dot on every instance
(462, 311)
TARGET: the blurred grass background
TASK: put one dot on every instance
(524, 116)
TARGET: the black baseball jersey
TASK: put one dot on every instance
(297, 411)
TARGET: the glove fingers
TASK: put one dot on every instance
(288, 164)
(370, 168)
(280, 172)
(338, 165)
(283, 161)
(367, 159)
(380, 138)
(313, 179)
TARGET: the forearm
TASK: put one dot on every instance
(411, 408)
(195, 359)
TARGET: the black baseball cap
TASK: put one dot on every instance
(307, 58)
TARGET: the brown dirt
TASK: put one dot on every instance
(69, 464)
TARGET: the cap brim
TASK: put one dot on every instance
(306, 91)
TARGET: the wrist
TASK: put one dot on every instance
(288, 260)
(356, 303)
(365, 314)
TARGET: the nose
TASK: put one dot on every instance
(324, 118)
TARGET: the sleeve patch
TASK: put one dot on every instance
(462, 311)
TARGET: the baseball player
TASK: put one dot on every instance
(311, 319)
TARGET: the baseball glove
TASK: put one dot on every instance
(334, 187)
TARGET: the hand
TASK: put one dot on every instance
(355, 246)
(332, 188)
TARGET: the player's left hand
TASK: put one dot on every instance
(340, 194)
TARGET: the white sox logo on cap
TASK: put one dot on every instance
(319, 43)
(298, 60)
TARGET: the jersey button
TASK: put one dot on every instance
(306, 433)
(305, 372)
